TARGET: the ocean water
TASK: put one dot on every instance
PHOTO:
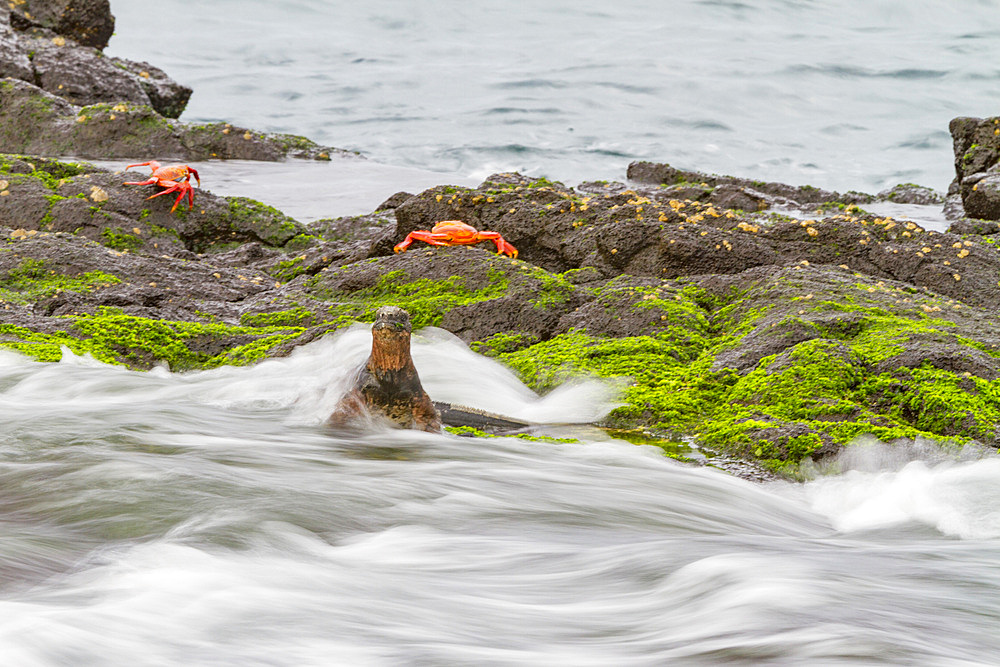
(844, 95)
(209, 518)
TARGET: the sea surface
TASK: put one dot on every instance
(209, 518)
(854, 94)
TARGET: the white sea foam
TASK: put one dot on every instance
(884, 486)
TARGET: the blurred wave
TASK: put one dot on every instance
(209, 518)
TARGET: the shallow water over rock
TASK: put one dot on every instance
(208, 517)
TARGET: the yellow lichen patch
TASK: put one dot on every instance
(811, 231)
(98, 194)
(925, 250)
(121, 107)
(247, 135)
(956, 276)
(963, 253)
(4, 185)
(59, 40)
(747, 227)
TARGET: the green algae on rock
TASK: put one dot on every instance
(761, 336)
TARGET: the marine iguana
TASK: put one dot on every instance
(387, 383)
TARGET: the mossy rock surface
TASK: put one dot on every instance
(797, 338)
(38, 122)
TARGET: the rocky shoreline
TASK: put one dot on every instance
(769, 322)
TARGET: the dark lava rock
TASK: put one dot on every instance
(513, 297)
(909, 193)
(767, 336)
(651, 234)
(976, 144)
(88, 22)
(49, 196)
(154, 286)
(76, 71)
(33, 121)
(733, 192)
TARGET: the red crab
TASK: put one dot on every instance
(455, 232)
(173, 177)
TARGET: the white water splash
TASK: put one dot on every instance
(893, 486)
(310, 381)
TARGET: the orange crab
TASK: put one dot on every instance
(455, 232)
(173, 177)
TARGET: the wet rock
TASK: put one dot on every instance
(50, 196)
(981, 195)
(394, 201)
(502, 295)
(728, 190)
(154, 286)
(33, 121)
(40, 54)
(14, 61)
(910, 193)
(631, 306)
(976, 143)
(771, 338)
(651, 234)
(88, 22)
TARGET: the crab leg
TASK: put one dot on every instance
(173, 186)
(152, 164)
(502, 245)
(426, 237)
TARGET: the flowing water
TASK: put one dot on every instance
(210, 518)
